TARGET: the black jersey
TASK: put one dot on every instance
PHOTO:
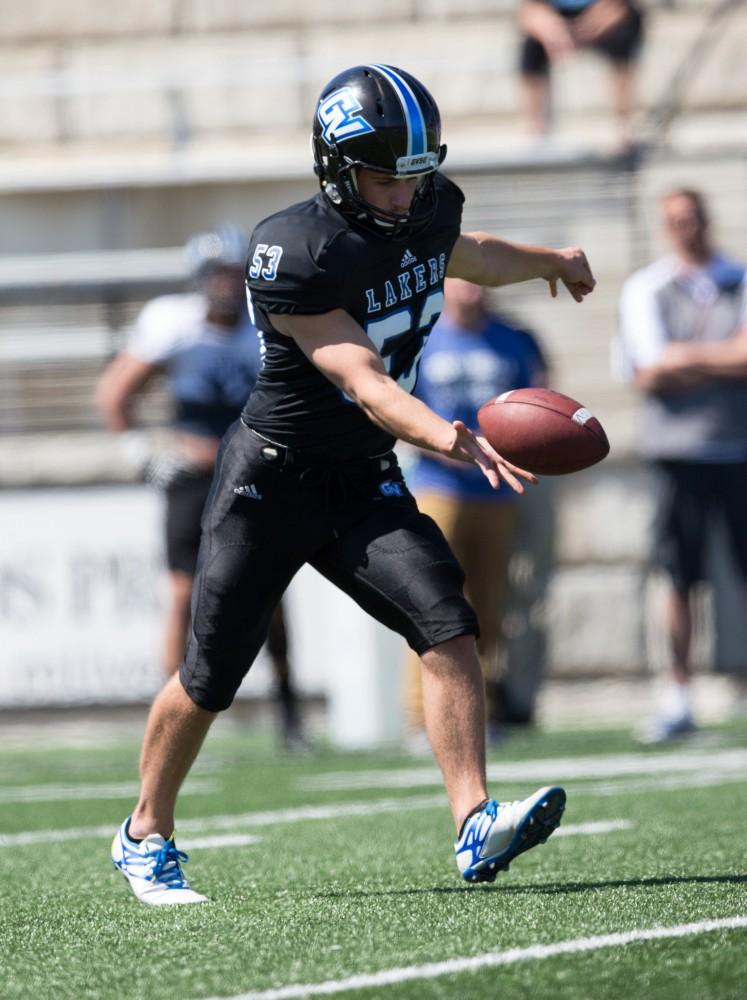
(308, 260)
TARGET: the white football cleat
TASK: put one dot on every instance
(667, 728)
(491, 838)
(153, 868)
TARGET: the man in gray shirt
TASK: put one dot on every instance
(683, 338)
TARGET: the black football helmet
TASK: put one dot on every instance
(384, 119)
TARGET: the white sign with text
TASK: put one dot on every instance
(82, 587)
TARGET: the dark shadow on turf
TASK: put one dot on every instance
(549, 889)
(631, 883)
(435, 891)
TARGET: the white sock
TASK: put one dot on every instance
(676, 702)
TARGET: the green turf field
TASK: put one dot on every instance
(332, 867)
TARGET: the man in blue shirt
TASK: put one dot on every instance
(472, 355)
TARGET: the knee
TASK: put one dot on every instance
(457, 653)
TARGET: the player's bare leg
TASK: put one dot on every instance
(679, 626)
(623, 90)
(674, 717)
(454, 707)
(177, 620)
(174, 734)
(490, 834)
(537, 104)
(286, 695)
(143, 849)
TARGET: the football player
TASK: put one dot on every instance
(345, 288)
(209, 352)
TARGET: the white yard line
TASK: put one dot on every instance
(661, 783)
(452, 966)
(220, 840)
(593, 828)
(302, 814)
(551, 770)
(111, 790)
(299, 814)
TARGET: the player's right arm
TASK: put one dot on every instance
(120, 383)
(157, 335)
(338, 346)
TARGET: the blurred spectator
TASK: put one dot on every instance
(211, 355)
(554, 29)
(684, 341)
(472, 355)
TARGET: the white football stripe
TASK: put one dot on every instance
(551, 770)
(410, 109)
(121, 790)
(593, 828)
(220, 840)
(660, 783)
(389, 977)
(302, 814)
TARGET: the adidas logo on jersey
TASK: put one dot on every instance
(409, 258)
(250, 491)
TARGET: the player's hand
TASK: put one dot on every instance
(470, 447)
(572, 268)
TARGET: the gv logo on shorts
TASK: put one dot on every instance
(391, 489)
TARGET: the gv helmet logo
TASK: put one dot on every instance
(339, 116)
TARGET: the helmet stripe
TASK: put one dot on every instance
(416, 137)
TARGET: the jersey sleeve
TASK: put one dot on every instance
(642, 336)
(292, 272)
(450, 201)
(159, 329)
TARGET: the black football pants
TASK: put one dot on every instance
(268, 513)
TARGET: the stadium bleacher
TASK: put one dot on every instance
(125, 133)
(124, 128)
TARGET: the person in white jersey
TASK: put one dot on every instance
(210, 353)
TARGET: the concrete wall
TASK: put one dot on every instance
(170, 71)
(94, 98)
(595, 615)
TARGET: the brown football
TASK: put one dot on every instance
(543, 431)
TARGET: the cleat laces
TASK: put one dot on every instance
(165, 866)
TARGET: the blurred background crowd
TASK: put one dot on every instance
(142, 142)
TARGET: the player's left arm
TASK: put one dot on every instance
(487, 260)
